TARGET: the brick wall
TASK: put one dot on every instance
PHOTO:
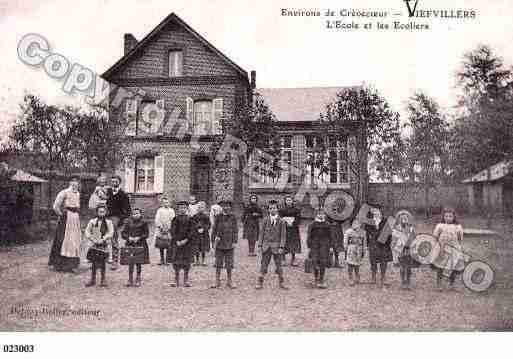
(198, 60)
(178, 171)
(176, 97)
(206, 76)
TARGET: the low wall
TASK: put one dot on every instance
(411, 196)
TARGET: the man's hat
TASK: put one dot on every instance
(225, 202)
(118, 177)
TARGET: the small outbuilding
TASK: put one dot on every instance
(491, 190)
(20, 197)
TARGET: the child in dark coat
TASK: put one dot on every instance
(319, 241)
(251, 223)
(200, 228)
(292, 216)
(182, 244)
(224, 235)
(135, 233)
(379, 253)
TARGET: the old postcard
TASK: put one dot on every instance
(235, 166)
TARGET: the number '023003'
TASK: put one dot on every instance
(12, 348)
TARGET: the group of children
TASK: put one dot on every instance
(183, 239)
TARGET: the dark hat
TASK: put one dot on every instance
(225, 201)
(116, 177)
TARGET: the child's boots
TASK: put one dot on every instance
(103, 282)
(130, 282)
(373, 278)
(92, 282)
(351, 280)
(260, 283)
(186, 279)
(439, 283)
(282, 283)
(176, 282)
(229, 282)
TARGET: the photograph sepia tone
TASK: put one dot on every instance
(273, 166)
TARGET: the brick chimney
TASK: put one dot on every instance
(253, 79)
(130, 42)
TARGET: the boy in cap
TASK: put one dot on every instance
(271, 243)
(224, 237)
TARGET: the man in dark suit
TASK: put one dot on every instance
(271, 244)
(118, 204)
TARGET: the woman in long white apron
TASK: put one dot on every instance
(65, 253)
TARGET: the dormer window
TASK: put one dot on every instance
(175, 63)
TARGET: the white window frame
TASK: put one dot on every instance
(198, 126)
(146, 176)
(175, 67)
(340, 148)
(285, 152)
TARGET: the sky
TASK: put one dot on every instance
(285, 51)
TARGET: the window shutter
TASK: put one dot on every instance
(179, 63)
(131, 117)
(159, 174)
(190, 114)
(217, 116)
(160, 120)
(129, 175)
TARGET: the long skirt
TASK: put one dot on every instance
(293, 240)
(65, 252)
(250, 230)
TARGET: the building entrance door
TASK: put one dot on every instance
(201, 178)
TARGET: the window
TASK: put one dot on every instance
(145, 174)
(175, 63)
(264, 166)
(202, 117)
(286, 152)
(146, 118)
(326, 160)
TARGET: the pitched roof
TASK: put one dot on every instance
(171, 18)
(22, 176)
(492, 173)
(299, 104)
(19, 175)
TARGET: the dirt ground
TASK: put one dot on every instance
(33, 298)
